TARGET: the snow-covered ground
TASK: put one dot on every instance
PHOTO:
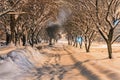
(19, 63)
(60, 62)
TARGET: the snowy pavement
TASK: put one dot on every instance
(59, 62)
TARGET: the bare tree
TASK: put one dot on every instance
(106, 18)
(81, 24)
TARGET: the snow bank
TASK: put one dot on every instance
(8, 69)
(19, 62)
(35, 56)
(19, 58)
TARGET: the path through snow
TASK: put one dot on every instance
(59, 62)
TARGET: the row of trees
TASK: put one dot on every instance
(80, 24)
(92, 16)
(25, 20)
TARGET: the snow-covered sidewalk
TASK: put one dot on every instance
(60, 62)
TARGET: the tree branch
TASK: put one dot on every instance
(116, 38)
(107, 14)
(10, 9)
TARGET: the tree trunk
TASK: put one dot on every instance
(24, 40)
(16, 39)
(68, 40)
(87, 47)
(50, 41)
(109, 47)
(32, 39)
(8, 36)
(75, 42)
(87, 44)
(12, 27)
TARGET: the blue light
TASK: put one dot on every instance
(116, 22)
